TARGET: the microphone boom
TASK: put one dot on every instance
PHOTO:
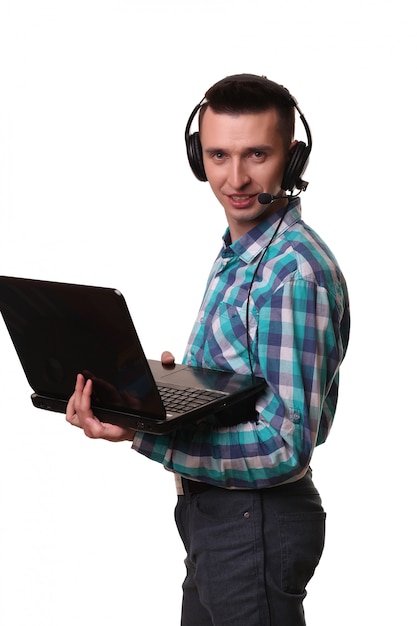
(267, 198)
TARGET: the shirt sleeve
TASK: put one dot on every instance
(298, 346)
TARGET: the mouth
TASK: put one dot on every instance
(241, 201)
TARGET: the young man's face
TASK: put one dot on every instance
(244, 155)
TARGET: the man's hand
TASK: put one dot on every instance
(79, 411)
(79, 414)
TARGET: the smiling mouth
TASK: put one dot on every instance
(239, 198)
(242, 200)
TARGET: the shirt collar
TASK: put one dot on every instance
(254, 241)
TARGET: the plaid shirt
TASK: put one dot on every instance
(298, 334)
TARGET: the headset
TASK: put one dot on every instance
(299, 156)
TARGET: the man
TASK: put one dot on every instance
(276, 305)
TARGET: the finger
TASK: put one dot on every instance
(78, 392)
(79, 411)
(167, 358)
(71, 413)
(83, 392)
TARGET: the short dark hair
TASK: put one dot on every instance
(248, 93)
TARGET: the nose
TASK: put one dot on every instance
(238, 174)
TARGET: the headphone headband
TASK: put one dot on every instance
(299, 156)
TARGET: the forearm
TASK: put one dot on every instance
(247, 456)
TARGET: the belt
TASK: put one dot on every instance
(303, 485)
(192, 487)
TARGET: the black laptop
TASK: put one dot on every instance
(61, 329)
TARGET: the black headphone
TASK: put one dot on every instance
(299, 155)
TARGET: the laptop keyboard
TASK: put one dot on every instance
(180, 400)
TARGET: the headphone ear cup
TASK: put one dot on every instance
(296, 166)
(195, 156)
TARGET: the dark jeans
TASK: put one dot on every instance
(250, 554)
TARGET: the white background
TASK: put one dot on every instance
(95, 188)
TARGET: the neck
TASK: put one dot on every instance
(239, 228)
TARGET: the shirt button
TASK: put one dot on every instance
(246, 515)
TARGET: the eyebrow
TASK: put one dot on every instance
(260, 148)
(257, 148)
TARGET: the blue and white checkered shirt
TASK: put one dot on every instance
(298, 334)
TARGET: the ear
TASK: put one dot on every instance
(291, 148)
